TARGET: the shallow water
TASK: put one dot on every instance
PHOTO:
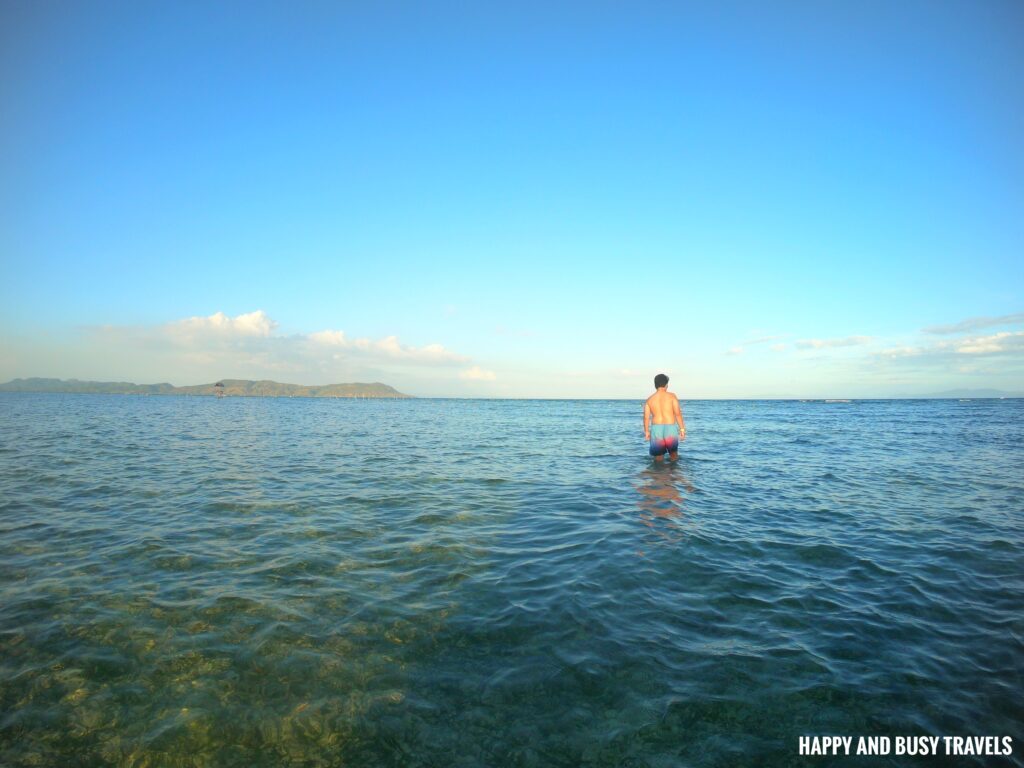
(258, 582)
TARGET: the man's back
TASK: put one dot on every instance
(664, 407)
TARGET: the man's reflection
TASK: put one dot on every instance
(662, 500)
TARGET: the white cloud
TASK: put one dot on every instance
(983, 345)
(251, 324)
(389, 347)
(848, 341)
(431, 353)
(778, 347)
(476, 373)
(974, 323)
(739, 349)
(1002, 343)
(330, 338)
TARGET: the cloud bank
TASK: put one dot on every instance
(1004, 343)
(250, 345)
(975, 323)
(848, 341)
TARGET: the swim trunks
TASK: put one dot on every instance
(664, 439)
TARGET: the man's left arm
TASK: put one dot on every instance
(679, 420)
(647, 420)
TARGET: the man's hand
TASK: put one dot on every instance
(647, 436)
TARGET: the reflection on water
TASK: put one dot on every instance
(662, 488)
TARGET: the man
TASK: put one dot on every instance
(668, 427)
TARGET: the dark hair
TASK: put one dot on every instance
(661, 380)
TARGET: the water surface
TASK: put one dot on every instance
(262, 582)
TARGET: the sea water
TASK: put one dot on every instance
(263, 582)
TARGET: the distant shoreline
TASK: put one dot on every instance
(222, 388)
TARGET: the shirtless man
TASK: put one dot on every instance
(668, 427)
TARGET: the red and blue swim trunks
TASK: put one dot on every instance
(664, 439)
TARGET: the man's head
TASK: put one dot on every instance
(661, 380)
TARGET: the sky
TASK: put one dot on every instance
(516, 200)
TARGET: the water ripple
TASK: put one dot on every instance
(189, 581)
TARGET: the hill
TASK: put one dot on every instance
(232, 387)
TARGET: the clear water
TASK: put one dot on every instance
(258, 582)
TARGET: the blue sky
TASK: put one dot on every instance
(762, 200)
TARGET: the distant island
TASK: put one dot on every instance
(227, 387)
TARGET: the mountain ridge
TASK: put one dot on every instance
(231, 387)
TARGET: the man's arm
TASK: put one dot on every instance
(679, 418)
(647, 419)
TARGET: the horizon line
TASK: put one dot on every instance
(835, 400)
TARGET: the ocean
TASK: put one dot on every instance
(187, 581)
